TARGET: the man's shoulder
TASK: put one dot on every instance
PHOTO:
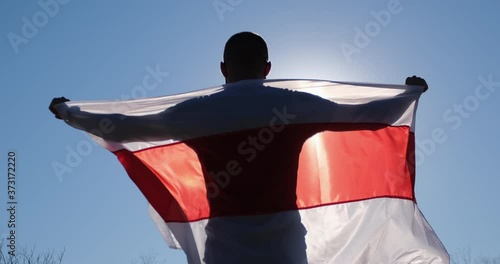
(249, 95)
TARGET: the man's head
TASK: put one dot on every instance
(245, 57)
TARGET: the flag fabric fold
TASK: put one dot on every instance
(274, 171)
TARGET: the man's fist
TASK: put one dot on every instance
(414, 80)
(56, 101)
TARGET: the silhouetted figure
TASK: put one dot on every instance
(254, 216)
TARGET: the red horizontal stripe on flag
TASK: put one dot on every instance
(270, 170)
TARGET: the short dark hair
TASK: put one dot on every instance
(246, 50)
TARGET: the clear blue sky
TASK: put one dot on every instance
(94, 50)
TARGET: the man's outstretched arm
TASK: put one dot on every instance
(119, 128)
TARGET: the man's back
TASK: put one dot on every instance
(253, 213)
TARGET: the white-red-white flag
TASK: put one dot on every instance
(274, 171)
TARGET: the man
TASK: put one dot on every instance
(265, 236)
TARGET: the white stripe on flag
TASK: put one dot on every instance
(383, 230)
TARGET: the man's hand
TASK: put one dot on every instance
(414, 80)
(56, 101)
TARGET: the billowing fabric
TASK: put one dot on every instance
(274, 171)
